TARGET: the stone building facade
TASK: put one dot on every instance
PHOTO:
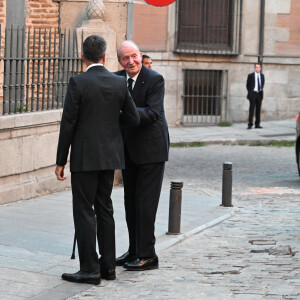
(269, 33)
(204, 53)
(28, 138)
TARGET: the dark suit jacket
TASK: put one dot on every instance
(251, 85)
(90, 121)
(148, 142)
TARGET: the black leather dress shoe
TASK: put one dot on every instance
(142, 264)
(249, 127)
(83, 277)
(258, 127)
(108, 274)
(126, 257)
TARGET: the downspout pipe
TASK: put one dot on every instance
(261, 31)
(130, 20)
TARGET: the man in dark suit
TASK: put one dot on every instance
(146, 151)
(255, 85)
(90, 124)
(147, 61)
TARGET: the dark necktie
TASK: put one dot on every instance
(258, 83)
(130, 81)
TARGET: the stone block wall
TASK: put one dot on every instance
(73, 15)
(281, 63)
(3, 13)
(28, 143)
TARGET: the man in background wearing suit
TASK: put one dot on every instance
(146, 151)
(255, 85)
(147, 61)
(90, 124)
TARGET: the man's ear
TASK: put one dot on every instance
(104, 56)
(83, 58)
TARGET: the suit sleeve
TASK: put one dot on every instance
(129, 113)
(248, 84)
(153, 103)
(68, 122)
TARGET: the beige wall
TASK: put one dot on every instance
(282, 92)
(73, 14)
(28, 143)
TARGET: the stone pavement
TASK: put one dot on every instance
(36, 235)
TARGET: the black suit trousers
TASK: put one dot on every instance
(255, 104)
(93, 216)
(142, 187)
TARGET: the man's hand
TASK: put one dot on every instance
(59, 172)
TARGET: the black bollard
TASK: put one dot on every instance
(175, 207)
(227, 184)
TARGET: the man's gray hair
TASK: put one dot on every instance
(127, 42)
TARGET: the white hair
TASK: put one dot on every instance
(126, 43)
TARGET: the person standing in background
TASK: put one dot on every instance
(147, 61)
(255, 84)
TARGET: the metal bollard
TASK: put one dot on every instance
(227, 184)
(175, 207)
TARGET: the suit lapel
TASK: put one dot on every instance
(139, 82)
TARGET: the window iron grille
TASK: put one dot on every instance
(204, 97)
(35, 67)
(208, 26)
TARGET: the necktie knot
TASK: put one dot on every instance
(130, 81)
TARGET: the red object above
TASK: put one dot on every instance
(159, 2)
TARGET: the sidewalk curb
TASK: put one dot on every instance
(175, 239)
(229, 142)
(164, 245)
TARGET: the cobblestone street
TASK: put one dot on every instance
(253, 255)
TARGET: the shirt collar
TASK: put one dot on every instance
(94, 65)
(134, 78)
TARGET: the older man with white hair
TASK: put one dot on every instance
(146, 151)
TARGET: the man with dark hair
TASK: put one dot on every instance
(146, 151)
(90, 125)
(255, 84)
(147, 61)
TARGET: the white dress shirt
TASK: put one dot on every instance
(257, 75)
(133, 78)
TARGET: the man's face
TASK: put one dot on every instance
(257, 68)
(130, 59)
(147, 62)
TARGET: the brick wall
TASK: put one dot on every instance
(150, 27)
(292, 22)
(3, 23)
(3, 13)
(42, 13)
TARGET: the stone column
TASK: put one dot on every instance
(95, 25)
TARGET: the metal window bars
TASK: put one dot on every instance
(35, 67)
(204, 97)
(208, 27)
